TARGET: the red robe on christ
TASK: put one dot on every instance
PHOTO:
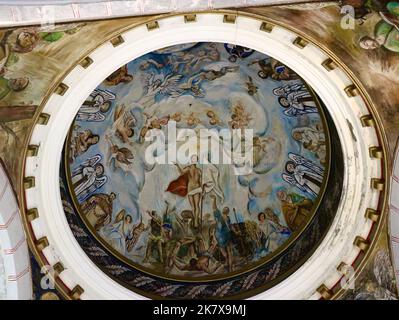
(179, 186)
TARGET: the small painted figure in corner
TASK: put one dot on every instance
(386, 31)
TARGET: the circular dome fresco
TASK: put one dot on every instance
(140, 209)
(199, 170)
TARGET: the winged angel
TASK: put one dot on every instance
(303, 174)
(88, 177)
(96, 106)
(166, 85)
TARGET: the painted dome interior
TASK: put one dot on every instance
(237, 150)
(149, 192)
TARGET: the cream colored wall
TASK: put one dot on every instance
(3, 289)
(15, 275)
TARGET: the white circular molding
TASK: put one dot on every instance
(14, 249)
(330, 82)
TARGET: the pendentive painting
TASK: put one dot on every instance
(198, 161)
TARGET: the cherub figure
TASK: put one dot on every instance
(119, 76)
(240, 118)
(124, 123)
(122, 156)
(153, 122)
(28, 38)
(192, 119)
(213, 118)
(192, 86)
(251, 87)
(81, 142)
(149, 63)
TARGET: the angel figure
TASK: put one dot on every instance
(200, 57)
(153, 122)
(303, 174)
(88, 177)
(147, 64)
(96, 106)
(289, 88)
(188, 60)
(119, 76)
(259, 149)
(122, 156)
(192, 86)
(119, 232)
(26, 39)
(180, 59)
(134, 236)
(5, 49)
(162, 84)
(313, 139)
(297, 103)
(251, 87)
(81, 142)
(8, 85)
(124, 123)
(386, 31)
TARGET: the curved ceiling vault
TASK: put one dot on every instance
(114, 205)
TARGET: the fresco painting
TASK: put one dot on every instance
(377, 281)
(24, 86)
(108, 136)
(363, 35)
(196, 219)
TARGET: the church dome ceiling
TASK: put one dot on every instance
(201, 162)
(204, 155)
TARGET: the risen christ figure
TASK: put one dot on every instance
(189, 184)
